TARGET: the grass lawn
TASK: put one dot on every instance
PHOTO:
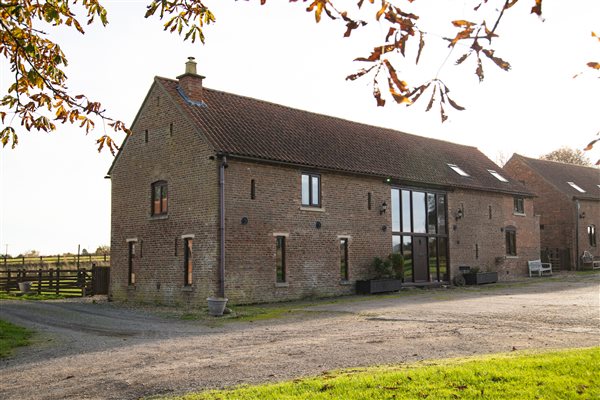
(12, 336)
(567, 374)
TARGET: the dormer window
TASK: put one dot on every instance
(574, 186)
(497, 175)
(458, 170)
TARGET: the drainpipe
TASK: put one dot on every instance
(577, 235)
(222, 226)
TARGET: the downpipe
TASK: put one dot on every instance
(222, 167)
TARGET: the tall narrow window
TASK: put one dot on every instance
(159, 198)
(311, 190)
(146, 136)
(511, 240)
(591, 230)
(187, 261)
(253, 189)
(519, 205)
(171, 129)
(369, 200)
(280, 259)
(344, 259)
(130, 257)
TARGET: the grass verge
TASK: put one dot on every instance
(12, 336)
(33, 296)
(567, 374)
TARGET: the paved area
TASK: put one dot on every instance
(86, 350)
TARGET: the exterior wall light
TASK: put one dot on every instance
(383, 208)
(459, 214)
(582, 215)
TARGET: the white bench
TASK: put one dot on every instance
(537, 266)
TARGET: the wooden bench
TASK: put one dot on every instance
(537, 266)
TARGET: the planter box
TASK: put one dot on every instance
(481, 278)
(378, 286)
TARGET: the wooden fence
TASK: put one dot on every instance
(48, 281)
(63, 262)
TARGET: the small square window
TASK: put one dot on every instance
(519, 205)
(311, 190)
(458, 170)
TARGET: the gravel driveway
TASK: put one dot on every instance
(88, 350)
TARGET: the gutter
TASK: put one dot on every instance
(222, 167)
(577, 208)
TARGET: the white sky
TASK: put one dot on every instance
(52, 192)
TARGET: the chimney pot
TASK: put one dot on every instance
(190, 66)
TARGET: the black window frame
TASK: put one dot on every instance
(510, 238)
(163, 200)
(344, 268)
(311, 176)
(591, 231)
(519, 205)
(130, 257)
(188, 268)
(280, 269)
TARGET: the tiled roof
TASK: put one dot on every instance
(560, 174)
(247, 127)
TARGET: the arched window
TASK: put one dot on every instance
(159, 198)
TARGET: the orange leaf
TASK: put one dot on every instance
(593, 65)
(537, 9)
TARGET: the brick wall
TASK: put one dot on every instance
(476, 240)
(592, 217)
(182, 159)
(557, 212)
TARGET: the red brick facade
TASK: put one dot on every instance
(561, 225)
(263, 201)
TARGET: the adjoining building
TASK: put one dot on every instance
(568, 202)
(219, 193)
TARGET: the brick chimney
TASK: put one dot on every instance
(190, 82)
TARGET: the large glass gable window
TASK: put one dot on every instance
(419, 219)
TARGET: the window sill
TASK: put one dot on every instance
(158, 217)
(345, 283)
(511, 257)
(314, 209)
(282, 284)
(187, 289)
(518, 214)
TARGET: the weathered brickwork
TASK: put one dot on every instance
(476, 240)
(558, 213)
(180, 158)
(263, 201)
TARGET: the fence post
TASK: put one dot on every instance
(39, 281)
(8, 281)
(58, 261)
(23, 261)
(57, 289)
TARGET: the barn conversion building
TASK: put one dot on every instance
(216, 193)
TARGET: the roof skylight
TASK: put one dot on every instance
(458, 170)
(574, 186)
(497, 175)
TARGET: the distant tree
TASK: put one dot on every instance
(103, 249)
(84, 252)
(31, 253)
(567, 155)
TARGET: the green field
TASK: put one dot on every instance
(12, 336)
(567, 374)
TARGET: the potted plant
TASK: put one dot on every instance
(476, 277)
(386, 277)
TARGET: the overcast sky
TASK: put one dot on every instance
(52, 189)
